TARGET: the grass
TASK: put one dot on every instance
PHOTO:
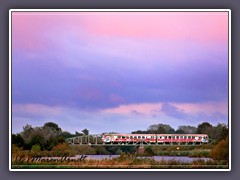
(124, 161)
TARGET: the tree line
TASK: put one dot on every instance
(42, 138)
(215, 133)
(50, 134)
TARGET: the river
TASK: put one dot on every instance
(157, 158)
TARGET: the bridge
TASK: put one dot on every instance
(96, 140)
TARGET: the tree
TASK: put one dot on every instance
(46, 136)
(161, 129)
(78, 133)
(85, 131)
(140, 132)
(220, 132)
(205, 128)
(18, 140)
(188, 129)
(66, 134)
(38, 139)
(53, 127)
(180, 131)
(27, 132)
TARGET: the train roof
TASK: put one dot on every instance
(155, 134)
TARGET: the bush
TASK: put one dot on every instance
(221, 151)
(36, 148)
(148, 151)
(62, 150)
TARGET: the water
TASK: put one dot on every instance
(99, 157)
(156, 158)
(176, 158)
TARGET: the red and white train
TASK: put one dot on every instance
(155, 138)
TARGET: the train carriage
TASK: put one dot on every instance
(155, 138)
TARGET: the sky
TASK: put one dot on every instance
(119, 71)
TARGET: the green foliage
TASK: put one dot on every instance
(180, 131)
(53, 127)
(18, 140)
(101, 150)
(187, 129)
(219, 132)
(85, 131)
(78, 133)
(46, 136)
(37, 139)
(36, 148)
(51, 135)
(161, 129)
(205, 128)
(65, 135)
(140, 132)
(148, 151)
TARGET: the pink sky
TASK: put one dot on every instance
(155, 66)
(196, 26)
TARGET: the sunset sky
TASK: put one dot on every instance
(119, 71)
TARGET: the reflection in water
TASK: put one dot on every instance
(157, 158)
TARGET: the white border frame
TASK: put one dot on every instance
(118, 10)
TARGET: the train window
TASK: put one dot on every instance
(193, 137)
(189, 137)
(173, 137)
(148, 137)
(139, 137)
(177, 137)
(123, 137)
(119, 137)
(131, 137)
(185, 137)
(165, 137)
(135, 137)
(143, 137)
(170, 137)
(127, 137)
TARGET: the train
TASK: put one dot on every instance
(154, 138)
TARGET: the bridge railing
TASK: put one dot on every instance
(95, 139)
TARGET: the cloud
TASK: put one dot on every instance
(131, 117)
(136, 109)
(173, 111)
(72, 69)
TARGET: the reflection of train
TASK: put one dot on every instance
(155, 138)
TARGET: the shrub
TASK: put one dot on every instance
(62, 150)
(221, 151)
(148, 151)
(36, 148)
